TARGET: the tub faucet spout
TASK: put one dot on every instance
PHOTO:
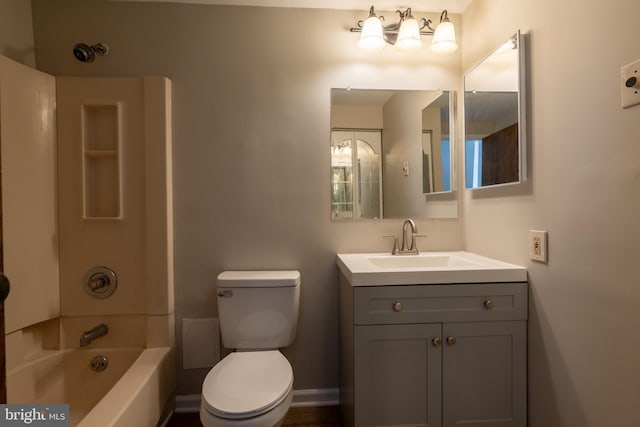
(91, 335)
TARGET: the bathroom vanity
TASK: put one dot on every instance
(436, 339)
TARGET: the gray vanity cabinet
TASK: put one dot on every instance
(484, 374)
(433, 355)
(397, 375)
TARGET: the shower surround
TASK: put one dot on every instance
(95, 193)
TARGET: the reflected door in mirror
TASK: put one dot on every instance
(436, 147)
(436, 164)
(356, 190)
(493, 159)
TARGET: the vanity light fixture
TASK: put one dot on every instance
(405, 34)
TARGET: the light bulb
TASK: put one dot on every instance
(444, 38)
(409, 35)
(371, 37)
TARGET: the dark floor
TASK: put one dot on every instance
(317, 416)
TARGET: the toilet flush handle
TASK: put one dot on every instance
(225, 294)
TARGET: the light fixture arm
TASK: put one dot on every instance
(360, 23)
(426, 23)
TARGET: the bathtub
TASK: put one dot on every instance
(136, 388)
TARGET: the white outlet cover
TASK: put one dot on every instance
(538, 252)
(630, 95)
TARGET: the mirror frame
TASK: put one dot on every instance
(522, 114)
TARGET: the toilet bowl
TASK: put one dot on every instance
(247, 389)
(252, 387)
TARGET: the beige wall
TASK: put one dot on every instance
(356, 117)
(16, 31)
(251, 142)
(584, 345)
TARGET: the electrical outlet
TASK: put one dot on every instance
(538, 245)
(630, 81)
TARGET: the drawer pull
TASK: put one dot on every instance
(451, 340)
(397, 307)
(437, 342)
(489, 304)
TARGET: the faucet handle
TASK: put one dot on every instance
(395, 249)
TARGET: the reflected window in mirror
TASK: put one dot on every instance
(390, 150)
(494, 143)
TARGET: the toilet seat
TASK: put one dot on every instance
(247, 384)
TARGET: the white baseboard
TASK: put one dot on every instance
(187, 403)
(314, 397)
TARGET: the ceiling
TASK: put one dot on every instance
(452, 6)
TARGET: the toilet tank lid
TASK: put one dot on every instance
(258, 279)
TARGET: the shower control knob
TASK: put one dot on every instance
(397, 307)
(97, 282)
(100, 282)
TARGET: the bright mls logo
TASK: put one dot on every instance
(34, 415)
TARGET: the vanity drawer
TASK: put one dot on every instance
(379, 305)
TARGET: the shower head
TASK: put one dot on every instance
(85, 53)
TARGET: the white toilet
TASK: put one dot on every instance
(252, 387)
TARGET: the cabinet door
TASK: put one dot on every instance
(484, 374)
(398, 375)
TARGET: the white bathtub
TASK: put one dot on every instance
(134, 390)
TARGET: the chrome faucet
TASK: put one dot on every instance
(406, 248)
(405, 225)
(414, 230)
(91, 335)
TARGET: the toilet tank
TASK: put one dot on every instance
(258, 310)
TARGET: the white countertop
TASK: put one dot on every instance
(379, 269)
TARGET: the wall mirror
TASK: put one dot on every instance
(494, 118)
(391, 151)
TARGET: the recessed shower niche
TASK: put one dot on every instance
(101, 161)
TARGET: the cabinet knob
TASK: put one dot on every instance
(397, 307)
(437, 342)
(489, 304)
(451, 340)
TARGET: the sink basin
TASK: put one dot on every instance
(421, 261)
(365, 269)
